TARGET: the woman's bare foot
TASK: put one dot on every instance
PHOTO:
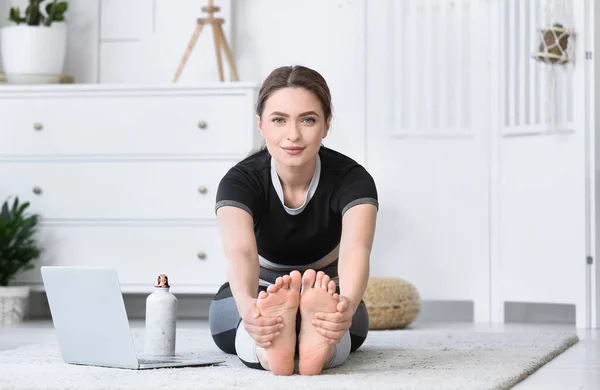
(282, 299)
(317, 296)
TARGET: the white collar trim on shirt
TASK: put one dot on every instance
(312, 187)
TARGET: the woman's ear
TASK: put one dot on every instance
(258, 123)
(326, 128)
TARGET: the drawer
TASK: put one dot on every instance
(127, 125)
(191, 256)
(116, 189)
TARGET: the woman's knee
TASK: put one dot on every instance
(223, 319)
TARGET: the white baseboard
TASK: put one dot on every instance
(197, 306)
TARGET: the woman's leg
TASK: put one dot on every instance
(223, 319)
(360, 327)
(224, 322)
(230, 335)
(341, 352)
(246, 348)
(353, 338)
(227, 328)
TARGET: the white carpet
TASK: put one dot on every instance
(408, 359)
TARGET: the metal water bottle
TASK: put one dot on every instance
(161, 320)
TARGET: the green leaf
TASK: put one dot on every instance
(18, 241)
(50, 10)
(5, 213)
(15, 15)
(62, 7)
(56, 12)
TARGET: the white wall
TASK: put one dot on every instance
(82, 53)
(149, 48)
(492, 211)
(108, 45)
(453, 219)
(319, 34)
(4, 11)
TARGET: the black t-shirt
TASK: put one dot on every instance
(310, 232)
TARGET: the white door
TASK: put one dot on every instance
(428, 127)
(539, 171)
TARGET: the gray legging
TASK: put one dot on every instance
(224, 322)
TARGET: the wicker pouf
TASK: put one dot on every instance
(392, 303)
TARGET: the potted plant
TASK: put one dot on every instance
(18, 249)
(33, 46)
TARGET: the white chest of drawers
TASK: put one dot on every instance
(126, 176)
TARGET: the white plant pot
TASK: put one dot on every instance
(13, 304)
(33, 50)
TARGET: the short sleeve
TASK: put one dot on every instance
(238, 190)
(356, 187)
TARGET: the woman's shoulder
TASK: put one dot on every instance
(337, 162)
(252, 165)
(243, 185)
(349, 182)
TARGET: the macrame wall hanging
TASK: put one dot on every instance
(555, 49)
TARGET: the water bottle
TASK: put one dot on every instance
(161, 320)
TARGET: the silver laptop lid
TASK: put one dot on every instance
(89, 316)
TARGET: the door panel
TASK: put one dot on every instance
(428, 146)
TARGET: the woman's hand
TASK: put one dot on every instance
(333, 326)
(262, 329)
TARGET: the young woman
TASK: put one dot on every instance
(297, 222)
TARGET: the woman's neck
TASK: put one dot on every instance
(295, 178)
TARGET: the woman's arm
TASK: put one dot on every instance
(241, 255)
(358, 231)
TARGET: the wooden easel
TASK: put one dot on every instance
(220, 43)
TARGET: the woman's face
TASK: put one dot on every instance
(293, 126)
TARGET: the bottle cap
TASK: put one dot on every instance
(162, 281)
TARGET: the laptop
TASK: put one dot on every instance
(91, 322)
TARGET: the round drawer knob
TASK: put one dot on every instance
(201, 255)
(202, 190)
(38, 126)
(37, 190)
(202, 125)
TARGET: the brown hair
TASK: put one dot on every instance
(295, 77)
